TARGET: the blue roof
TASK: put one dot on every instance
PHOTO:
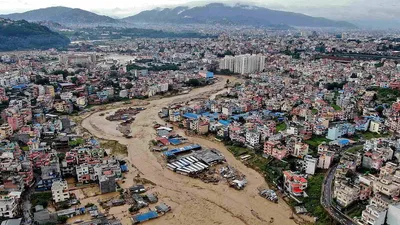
(174, 141)
(210, 115)
(224, 122)
(344, 142)
(172, 152)
(146, 216)
(20, 86)
(191, 116)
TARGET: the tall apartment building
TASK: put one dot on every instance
(243, 64)
(60, 191)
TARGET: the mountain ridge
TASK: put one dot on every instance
(62, 15)
(23, 35)
(238, 14)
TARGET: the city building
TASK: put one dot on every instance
(60, 191)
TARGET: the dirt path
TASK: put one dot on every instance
(193, 202)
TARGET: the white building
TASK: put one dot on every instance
(82, 172)
(373, 215)
(252, 138)
(310, 164)
(8, 207)
(243, 64)
(59, 190)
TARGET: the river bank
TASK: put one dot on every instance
(192, 201)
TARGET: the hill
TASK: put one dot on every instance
(22, 35)
(62, 15)
(236, 15)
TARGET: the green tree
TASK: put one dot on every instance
(193, 83)
(128, 85)
(62, 219)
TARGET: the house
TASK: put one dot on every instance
(373, 215)
(340, 130)
(376, 127)
(203, 127)
(252, 138)
(275, 149)
(294, 184)
(300, 150)
(325, 159)
(50, 174)
(9, 207)
(346, 193)
(5, 131)
(59, 190)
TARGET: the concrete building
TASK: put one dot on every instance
(325, 159)
(252, 138)
(243, 64)
(107, 184)
(60, 191)
(310, 164)
(345, 193)
(74, 59)
(393, 215)
(376, 127)
(8, 207)
(294, 184)
(339, 130)
(300, 150)
(373, 215)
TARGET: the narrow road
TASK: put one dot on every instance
(327, 199)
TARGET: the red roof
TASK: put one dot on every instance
(297, 190)
(163, 141)
(108, 172)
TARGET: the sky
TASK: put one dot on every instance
(350, 10)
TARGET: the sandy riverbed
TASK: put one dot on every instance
(192, 201)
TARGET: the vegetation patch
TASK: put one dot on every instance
(281, 127)
(41, 198)
(116, 147)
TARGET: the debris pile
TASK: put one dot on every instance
(125, 114)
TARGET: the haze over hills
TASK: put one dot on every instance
(209, 14)
(62, 15)
(238, 14)
(21, 35)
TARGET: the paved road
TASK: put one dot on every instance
(326, 200)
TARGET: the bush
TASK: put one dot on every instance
(62, 219)
(41, 199)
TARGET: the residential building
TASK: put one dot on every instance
(300, 150)
(9, 207)
(346, 193)
(393, 214)
(60, 191)
(107, 184)
(310, 164)
(325, 159)
(294, 184)
(373, 215)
